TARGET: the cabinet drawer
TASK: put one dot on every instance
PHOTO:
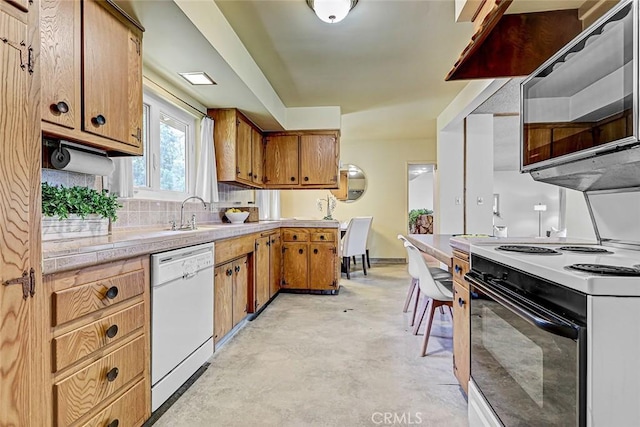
(459, 269)
(128, 410)
(323, 236)
(81, 342)
(295, 235)
(78, 301)
(78, 394)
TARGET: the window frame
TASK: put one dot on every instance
(152, 190)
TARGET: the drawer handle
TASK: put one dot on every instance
(293, 178)
(112, 292)
(112, 331)
(114, 423)
(457, 269)
(461, 302)
(315, 251)
(60, 107)
(112, 374)
(300, 251)
(295, 237)
(306, 178)
(99, 120)
(322, 237)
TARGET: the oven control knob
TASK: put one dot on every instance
(486, 277)
(505, 276)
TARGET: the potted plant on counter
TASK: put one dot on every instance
(70, 212)
(421, 221)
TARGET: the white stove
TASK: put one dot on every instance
(553, 263)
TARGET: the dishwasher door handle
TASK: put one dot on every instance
(189, 275)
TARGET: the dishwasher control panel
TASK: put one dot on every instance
(181, 263)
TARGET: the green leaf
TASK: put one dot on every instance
(82, 201)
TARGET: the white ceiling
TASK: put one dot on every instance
(384, 65)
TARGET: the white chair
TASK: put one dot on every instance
(436, 272)
(437, 293)
(354, 242)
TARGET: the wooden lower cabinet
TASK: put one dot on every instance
(275, 268)
(231, 281)
(100, 344)
(311, 263)
(461, 320)
(261, 267)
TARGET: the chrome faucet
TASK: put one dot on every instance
(192, 224)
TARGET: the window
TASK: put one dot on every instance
(166, 170)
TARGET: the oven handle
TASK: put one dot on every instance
(531, 314)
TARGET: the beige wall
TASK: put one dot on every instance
(384, 163)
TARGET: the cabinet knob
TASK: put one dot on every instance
(295, 237)
(255, 176)
(99, 120)
(237, 269)
(229, 272)
(293, 178)
(306, 178)
(300, 251)
(457, 268)
(461, 302)
(315, 251)
(112, 374)
(112, 331)
(114, 423)
(60, 107)
(322, 237)
(112, 292)
(250, 174)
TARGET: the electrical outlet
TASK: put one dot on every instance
(458, 200)
(480, 200)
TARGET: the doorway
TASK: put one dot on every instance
(420, 178)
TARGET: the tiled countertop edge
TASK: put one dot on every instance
(68, 254)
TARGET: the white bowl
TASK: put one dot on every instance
(237, 217)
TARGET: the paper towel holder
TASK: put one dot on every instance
(59, 156)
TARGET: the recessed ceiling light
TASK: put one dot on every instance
(198, 78)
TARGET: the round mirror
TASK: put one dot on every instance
(353, 184)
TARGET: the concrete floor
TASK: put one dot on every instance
(316, 360)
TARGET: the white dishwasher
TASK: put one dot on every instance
(181, 317)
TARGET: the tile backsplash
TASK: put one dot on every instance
(140, 214)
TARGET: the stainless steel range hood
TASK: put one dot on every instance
(604, 171)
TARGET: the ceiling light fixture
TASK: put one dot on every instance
(331, 11)
(198, 78)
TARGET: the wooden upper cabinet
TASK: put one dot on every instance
(244, 145)
(257, 156)
(21, 311)
(91, 75)
(319, 160)
(60, 57)
(301, 159)
(281, 161)
(109, 47)
(233, 137)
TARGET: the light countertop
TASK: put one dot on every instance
(59, 255)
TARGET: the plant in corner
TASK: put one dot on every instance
(414, 214)
(82, 201)
(76, 211)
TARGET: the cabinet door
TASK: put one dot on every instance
(318, 160)
(322, 262)
(281, 160)
(18, 194)
(275, 270)
(243, 150)
(295, 266)
(108, 76)
(257, 157)
(223, 301)
(60, 62)
(240, 290)
(261, 271)
(461, 336)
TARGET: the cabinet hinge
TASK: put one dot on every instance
(28, 282)
(256, 305)
(335, 178)
(283, 282)
(138, 134)
(334, 250)
(237, 170)
(237, 122)
(257, 244)
(23, 51)
(334, 284)
(136, 41)
(284, 248)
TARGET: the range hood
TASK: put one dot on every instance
(604, 171)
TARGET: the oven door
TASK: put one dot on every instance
(528, 363)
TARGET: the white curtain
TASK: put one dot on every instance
(121, 181)
(206, 173)
(268, 202)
